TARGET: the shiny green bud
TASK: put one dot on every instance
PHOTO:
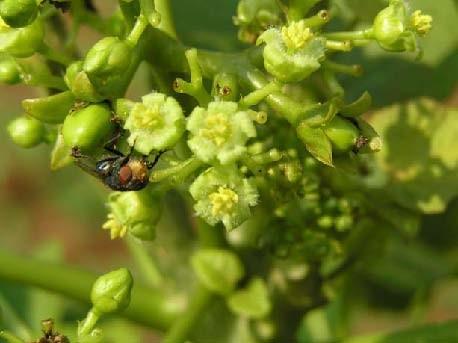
(106, 64)
(9, 71)
(342, 133)
(87, 128)
(21, 42)
(111, 292)
(18, 13)
(26, 132)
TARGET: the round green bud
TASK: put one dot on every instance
(111, 292)
(26, 132)
(18, 13)
(106, 64)
(342, 134)
(9, 71)
(88, 127)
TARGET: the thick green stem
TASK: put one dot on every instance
(167, 24)
(180, 329)
(146, 307)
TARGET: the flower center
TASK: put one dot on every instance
(217, 129)
(296, 35)
(421, 22)
(148, 117)
(223, 201)
(115, 226)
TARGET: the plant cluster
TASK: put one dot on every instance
(254, 142)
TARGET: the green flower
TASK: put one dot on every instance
(157, 123)
(395, 30)
(133, 212)
(22, 42)
(220, 132)
(292, 53)
(223, 195)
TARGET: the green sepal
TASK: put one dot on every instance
(88, 127)
(252, 301)
(18, 13)
(79, 83)
(321, 114)
(316, 142)
(51, 109)
(217, 269)
(60, 154)
(357, 107)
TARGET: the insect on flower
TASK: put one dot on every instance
(118, 171)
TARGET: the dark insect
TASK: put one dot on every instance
(117, 171)
(49, 335)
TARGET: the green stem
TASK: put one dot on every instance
(167, 25)
(258, 95)
(10, 338)
(298, 8)
(353, 70)
(350, 35)
(56, 56)
(89, 323)
(144, 261)
(178, 333)
(318, 20)
(147, 307)
(178, 173)
(137, 31)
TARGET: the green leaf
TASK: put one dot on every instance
(252, 302)
(217, 269)
(316, 142)
(419, 157)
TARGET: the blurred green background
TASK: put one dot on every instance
(58, 215)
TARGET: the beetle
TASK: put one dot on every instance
(118, 171)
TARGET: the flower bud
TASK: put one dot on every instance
(79, 83)
(342, 134)
(219, 133)
(106, 64)
(9, 71)
(21, 42)
(292, 53)
(255, 16)
(111, 292)
(87, 128)
(157, 123)
(134, 212)
(18, 13)
(26, 132)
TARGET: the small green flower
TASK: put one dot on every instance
(421, 22)
(134, 212)
(395, 30)
(292, 53)
(223, 195)
(9, 71)
(220, 132)
(22, 42)
(157, 123)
